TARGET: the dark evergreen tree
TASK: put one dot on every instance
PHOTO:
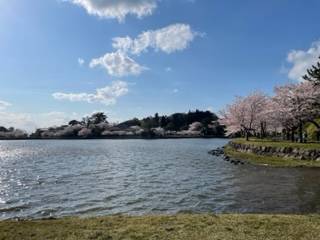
(98, 117)
(130, 123)
(147, 123)
(163, 121)
(313, 74)
(156, 121)
(3, 129)
(74, 122)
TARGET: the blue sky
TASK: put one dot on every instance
(194, 54)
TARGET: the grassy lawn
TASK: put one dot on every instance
(184, 227)
(270, 143)
(268, 160)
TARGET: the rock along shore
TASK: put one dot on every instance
(284, 152)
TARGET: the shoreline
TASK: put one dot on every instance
(122, 138)
(274, 154)
(179, 226)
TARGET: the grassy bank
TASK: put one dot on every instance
(267, 160)
(240, 227)
(270, 143)
(273, 160)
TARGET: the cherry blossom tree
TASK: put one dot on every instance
(245, 114)
(292, 106)
(308, 99)
(283, 109)
(296, 104)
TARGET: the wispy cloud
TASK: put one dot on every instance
(81, 61)
(210, 108)
(302, 60)
(175, 37)
(117, 9)
(175, 90)
(107, 95)
(31, 121)
(17, 120)
(118, 64)
(4, 105)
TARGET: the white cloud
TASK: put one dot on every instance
(175, 37)
(172, 38)
(210, 108)
(107, 95)
(117, 9)
(302, 60)
(11, 119)
(30, 121)
(4, 105)
(81, 61)
(118, 64)
(168, 69)
(54, 118)
(17, 120)
(175, 90)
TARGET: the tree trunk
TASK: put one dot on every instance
(243, 133)
(292, 135)
(287, 132)
(247, 135)
(262, 130)
(300, 132)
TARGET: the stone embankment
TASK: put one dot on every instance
(285, 152)
(219, 152)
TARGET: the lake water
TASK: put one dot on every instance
(40, 179)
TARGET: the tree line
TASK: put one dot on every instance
(287, 112)
(193, 124)
(12, 133)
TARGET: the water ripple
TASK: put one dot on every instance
(97, 177)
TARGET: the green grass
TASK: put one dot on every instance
(268, 160)
(273, 161)
(176, 227)
(270, 143)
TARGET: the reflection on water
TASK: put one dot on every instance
(99, 177)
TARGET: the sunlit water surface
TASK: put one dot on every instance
(40, 179)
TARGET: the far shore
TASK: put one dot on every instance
(120, 138)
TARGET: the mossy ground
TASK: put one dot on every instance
(184, 227)
(273, 161)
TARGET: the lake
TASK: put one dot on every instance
(44, 178)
